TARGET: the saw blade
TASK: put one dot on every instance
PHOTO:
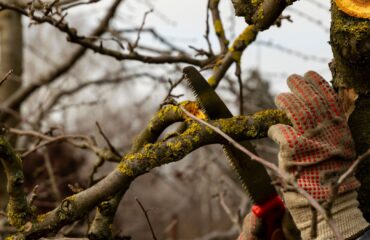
(252, 174)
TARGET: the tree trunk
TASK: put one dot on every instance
(11, 58)
(350, 41)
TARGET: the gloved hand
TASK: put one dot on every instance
(316, 151)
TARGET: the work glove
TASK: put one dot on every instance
(316, 150)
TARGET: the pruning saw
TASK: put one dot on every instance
(253, 175)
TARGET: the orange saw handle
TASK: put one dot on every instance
(271, 212)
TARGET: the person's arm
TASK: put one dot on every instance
(316, 150)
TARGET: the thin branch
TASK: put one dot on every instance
(74, 37)
(50, 170)
(218, 26)
(350, 171)
(238, 74)
(136, 43)
(206, 34)
(33, 195)
(234, 219)
(6, 77)
(110, 145)
(73, 5)
(103, 81)
(147, 218)
(23, 93)
(154, 34)
(172, 87)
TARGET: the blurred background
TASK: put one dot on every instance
(200, 196)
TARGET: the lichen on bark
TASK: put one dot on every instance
(350, 41)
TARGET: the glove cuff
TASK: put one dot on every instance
(345, 212)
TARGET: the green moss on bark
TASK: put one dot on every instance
(350, 41)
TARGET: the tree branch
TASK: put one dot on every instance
(18, 209)
(261, 15)
(23, 93)
(151, 156)
(74, 37)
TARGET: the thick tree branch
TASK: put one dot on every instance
(18, 210)
(151, 156)
(166, 116)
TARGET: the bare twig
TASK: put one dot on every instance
(147, 218)
(334, 188)
(173, 85)
(74, 37)
(350, 171)
(53, 140)
(136, 43)
(110, 145)
(73, 5)
(238, 74)
(234, 218)
(34, 194)
(50, 170)
(206, 34)
(6, 77)
(154, 34)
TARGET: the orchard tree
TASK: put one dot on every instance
(27, 131)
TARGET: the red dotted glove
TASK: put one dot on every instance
(317, 150)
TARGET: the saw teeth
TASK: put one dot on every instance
(235, 168)
(197, 97)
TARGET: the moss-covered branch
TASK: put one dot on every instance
(101, 227)
(260, 15)
(233, 54)
(161, 120)
(18, 210)
(150, 156)
(350, 41)
(218, 26)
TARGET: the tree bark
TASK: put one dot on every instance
(11, 58)
(350, 41)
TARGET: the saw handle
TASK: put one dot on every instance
(271, 212)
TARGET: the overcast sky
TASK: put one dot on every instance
(183, 23)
